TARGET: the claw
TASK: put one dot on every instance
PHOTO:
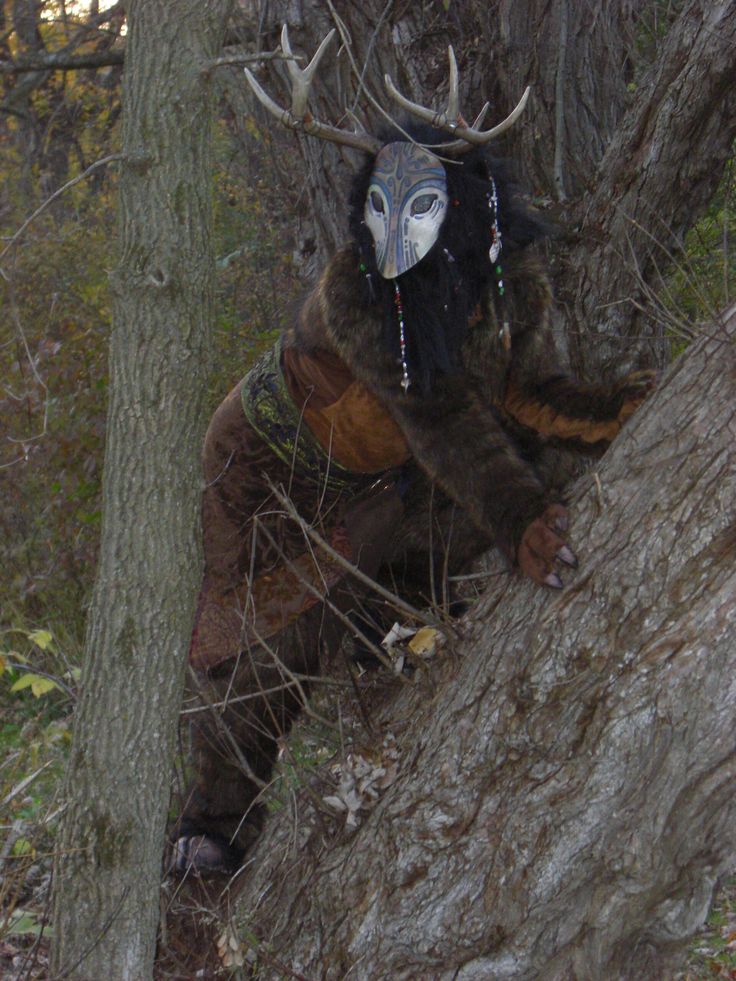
(553, 580)
(566, 555)
(562, 522)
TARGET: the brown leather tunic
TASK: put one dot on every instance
(348, 421)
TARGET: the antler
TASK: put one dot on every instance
(451, 120)
(299, 117)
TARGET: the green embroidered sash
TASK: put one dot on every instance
(276, 418)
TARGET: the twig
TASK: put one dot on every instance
(284, 669)
(227, 735)
(41, 383)
(324, 598)
(17, 830)
(475, 575)
(65, 187)
(248, 59)
(354, 571)
(309, 679)
(59, 61)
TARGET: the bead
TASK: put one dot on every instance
(405, 381)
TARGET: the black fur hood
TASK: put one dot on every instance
(441, 292)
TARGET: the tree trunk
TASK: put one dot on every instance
(660, 170)
(564, 804)
(117, 786)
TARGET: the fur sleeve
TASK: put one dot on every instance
(453, 433)
(535, 390)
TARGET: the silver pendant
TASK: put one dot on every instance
(495, 250)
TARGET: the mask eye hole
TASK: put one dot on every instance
(376, 202)
(422, 204)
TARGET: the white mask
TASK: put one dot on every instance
(405, 206)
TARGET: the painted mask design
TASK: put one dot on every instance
(405, 207)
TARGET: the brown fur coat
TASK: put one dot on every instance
(475, 446)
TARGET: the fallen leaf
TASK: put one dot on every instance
(424, 642)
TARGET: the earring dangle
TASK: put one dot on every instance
(369, 280)
(496, 244)
(405, 381)
(494, 252)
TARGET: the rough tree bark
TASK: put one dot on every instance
(107, 871)
(633, 136)
(655, 179)
(564, 804)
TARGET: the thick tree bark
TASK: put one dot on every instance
(564, 804)
(660, 170)
(117, 786)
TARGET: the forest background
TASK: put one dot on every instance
(59, 140)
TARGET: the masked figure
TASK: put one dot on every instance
(406, 421)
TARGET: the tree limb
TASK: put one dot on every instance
(61, 61)
(565, 802)
(656, 171)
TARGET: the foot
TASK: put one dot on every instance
(202, 856)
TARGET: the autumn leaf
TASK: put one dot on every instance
(36, 682)
(424, 642)
(41, 638)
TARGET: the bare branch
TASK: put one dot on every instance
(65, 187)
(61, 61)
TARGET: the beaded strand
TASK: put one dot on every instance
(405, 381)
(494, 252)
(496, 244)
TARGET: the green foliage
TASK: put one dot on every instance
(310, 745)
(54, 364)
(54, 311)
(33, 751)
(713, 954)
(34, 671)
(704, 278)
(38, 683)
(35, 738)
(22, 922)
(255, 281)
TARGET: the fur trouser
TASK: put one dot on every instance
(260, 633)
(245, 708)
(259, 630)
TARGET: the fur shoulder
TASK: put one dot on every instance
(354, 324)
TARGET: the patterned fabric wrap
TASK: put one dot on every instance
(276, 418)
